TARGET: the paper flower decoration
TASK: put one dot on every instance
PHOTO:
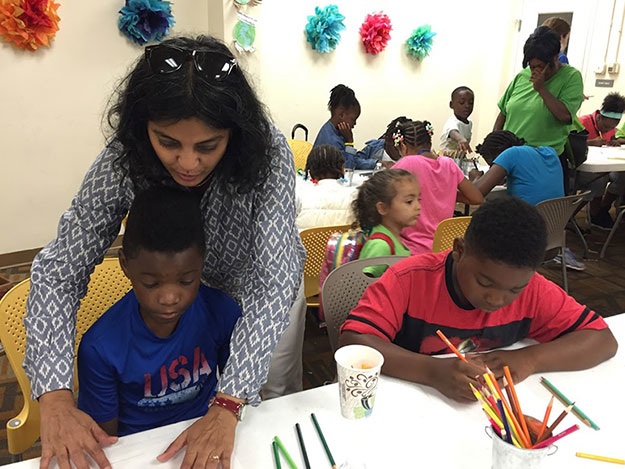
(323, 29)
(28, 24)
(144, 21)
(420, 42)
(375, 32)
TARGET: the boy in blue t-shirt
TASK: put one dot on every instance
(152, 358)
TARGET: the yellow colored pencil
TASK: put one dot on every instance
(514, 423)
(600, 458)
(492, 414)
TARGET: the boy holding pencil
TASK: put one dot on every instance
(482, 295)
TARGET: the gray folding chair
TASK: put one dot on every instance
(343, 289)
(617, 222)
(557, 213)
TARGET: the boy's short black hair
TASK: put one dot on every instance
(460, 89)
(508, 230)
(164, 219)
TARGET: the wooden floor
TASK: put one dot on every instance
(601, 286)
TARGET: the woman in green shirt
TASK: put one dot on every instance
(542, 100)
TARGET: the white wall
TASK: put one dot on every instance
(52, 102)
(470, 48)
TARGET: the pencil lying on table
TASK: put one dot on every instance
(600, 458)
(562, 398)
(323, 441)
(451, 346)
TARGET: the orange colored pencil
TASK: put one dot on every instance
(451, 346)
(517, 404)
(545, 420)
(510, 399)
(512, 419)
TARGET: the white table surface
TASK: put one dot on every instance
(411, 426)
(604, 160)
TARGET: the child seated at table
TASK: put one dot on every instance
(601, 124)
(152, 358)
(383, 148)
(386, 203)
(440, 179)
(482, 295)
(344, 111)
(532, 174)
(456, 136)
(321, 200)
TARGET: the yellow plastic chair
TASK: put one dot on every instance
(447, 231)
(300, 149)
(107, 285)
(315, 241)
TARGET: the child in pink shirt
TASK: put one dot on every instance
(442, 183)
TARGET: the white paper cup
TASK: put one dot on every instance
(358, 368)
(508, 456)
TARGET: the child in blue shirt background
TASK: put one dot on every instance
(344, 111)
(152, 358)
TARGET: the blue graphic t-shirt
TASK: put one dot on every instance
(126, 371)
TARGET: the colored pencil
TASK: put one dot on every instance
(323, 441)
(493, 416)
(276, 455)
(553, 439)
(302, 446)
(451, 346)
(510, 398)
(517, 404)
(285, 453)
(543, 426)
(505, 421)
(600, 458)
(562, 398)
(557, 421)
(496, 428)
(514, 423)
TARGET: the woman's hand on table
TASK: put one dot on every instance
(452, 376)
(346, 131)
(596, 142)
(67, 433)
(209, 441)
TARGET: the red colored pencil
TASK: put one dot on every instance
(451, 346)
(553, 439)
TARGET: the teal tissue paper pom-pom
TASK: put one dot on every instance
(419, 44)
(323, 29)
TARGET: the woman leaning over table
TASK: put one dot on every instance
(541, 102)
(185, 116)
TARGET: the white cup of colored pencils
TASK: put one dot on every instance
(519, 441)
(358, 369)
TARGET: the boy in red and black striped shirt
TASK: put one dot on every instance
(484, 294)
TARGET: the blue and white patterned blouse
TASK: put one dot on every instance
(253, 253)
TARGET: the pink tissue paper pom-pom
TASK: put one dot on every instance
(375, 32)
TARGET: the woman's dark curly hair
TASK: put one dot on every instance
(378, 188)
(543, 44)
(228, 104)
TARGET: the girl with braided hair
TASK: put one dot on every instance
(442, 183)
(533, 174)
(344, 111)
(321, 200)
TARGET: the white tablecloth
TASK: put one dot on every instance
(411, 426)
(604, 160)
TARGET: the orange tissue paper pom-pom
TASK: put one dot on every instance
(28, 24)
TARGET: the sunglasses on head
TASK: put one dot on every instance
(168, 59)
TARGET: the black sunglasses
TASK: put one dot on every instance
(168, 59)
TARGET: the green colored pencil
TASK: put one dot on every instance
(323, 441)
(276, 455)
(562, 398)
(285, 453)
